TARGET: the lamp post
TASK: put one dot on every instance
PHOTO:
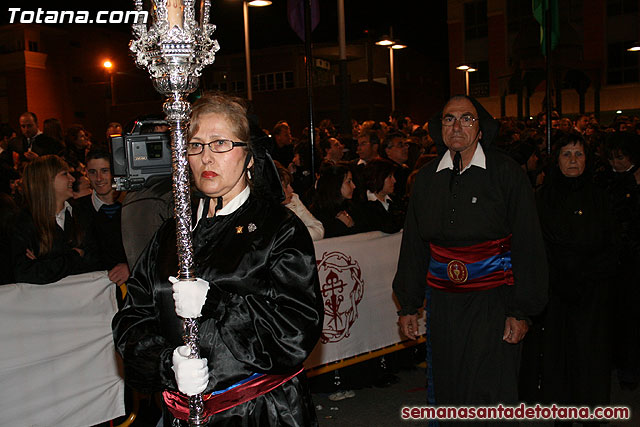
(467, 69)
(391, 45)
(245, 13)
(108, 66)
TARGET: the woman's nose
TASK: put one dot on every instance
(207, 155)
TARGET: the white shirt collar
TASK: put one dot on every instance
(478, 159)
(97, 203)
(60, 215)
(229, 208)
(373, 198)
(630, 167)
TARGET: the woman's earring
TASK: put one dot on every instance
(248, 173)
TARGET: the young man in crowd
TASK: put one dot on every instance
(105, 208)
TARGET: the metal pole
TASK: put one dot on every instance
(466, 79)
(308, 57)
(113, 94)
(393, 81)
(345, 120)
(547, 40)
(247, 50)
(175, 60)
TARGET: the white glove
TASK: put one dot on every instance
(192, 375)
(189, 296)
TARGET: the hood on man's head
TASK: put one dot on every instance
(488, 125)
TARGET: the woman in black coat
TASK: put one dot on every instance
(332, 201)
(581, 242)
(49, 239)
(380, 211)
(258, 298)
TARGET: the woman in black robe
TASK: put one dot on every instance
(262, 314)
(578, 227)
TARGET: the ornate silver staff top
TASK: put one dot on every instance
(174, 47)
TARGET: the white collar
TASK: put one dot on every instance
(60, 215)
(630, 167)
(478, 159)
(230, 207)
(373, 198)
(97, 203)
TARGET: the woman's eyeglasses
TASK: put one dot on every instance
(217, 146)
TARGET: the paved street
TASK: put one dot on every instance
(381, 406)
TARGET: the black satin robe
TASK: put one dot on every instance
(263, 311)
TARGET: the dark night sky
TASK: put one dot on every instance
(422, 31)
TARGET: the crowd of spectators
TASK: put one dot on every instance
(60, 216)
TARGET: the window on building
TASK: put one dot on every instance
(238, 86)
(518, 12)
(621, 7)
(288, 80)
(33, 46)
(622, 65)
(479, 79)
(273, 81)
(475, 20)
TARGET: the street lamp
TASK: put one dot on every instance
(245, 12)
(467, 69)
(634, 47)
(392, 45)
(108, 66)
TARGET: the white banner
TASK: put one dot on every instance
(360, 314)
(57, 357)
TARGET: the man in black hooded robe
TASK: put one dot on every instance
(472, 234)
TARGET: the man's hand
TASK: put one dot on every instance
(514, 330)
(120, 273)
(409, 326)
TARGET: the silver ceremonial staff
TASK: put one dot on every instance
(174, 45)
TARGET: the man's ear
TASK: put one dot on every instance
(479, 135)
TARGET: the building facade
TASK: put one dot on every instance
(592, 70)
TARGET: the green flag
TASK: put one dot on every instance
(540, 8)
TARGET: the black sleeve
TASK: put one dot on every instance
(528, 296)
(410, 281)
(137, 331)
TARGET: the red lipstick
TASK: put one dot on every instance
(208, 174)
